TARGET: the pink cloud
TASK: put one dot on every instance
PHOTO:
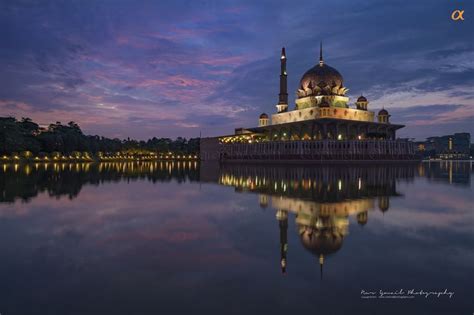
(458, 114)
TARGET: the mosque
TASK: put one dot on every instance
(321, 125)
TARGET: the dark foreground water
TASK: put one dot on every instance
(184, 238)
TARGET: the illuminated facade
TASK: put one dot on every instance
(321, 125)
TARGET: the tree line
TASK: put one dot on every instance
(26, 136)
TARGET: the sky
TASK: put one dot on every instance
(143, 69)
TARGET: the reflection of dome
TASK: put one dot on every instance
(362, 218)
(263, 201)
(321, 242)
(263, 116)
(361, 99)
(321, 75)
(383, 112)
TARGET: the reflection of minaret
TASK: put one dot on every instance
(321, 263)
(283, 96)
(282, 217)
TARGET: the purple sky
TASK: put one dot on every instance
(174, 68)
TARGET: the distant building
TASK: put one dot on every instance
(321, 126)
(449, 147)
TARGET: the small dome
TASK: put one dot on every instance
(383, 112)
(362, 99)
(362, 218)
(263, 116)
(384, 203)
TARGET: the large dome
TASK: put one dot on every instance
(321, 75)
(321, 80)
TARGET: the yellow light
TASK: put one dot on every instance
(339, 137)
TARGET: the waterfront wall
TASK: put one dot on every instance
(212, 149)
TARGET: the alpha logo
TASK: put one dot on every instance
(457, 15)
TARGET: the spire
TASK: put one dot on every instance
(321, 61)
(283, 53)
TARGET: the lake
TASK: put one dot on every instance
(191, 238)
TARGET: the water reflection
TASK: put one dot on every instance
(323, 198)
(26, 181)
(163, 243)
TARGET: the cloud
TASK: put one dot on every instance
(182, 66)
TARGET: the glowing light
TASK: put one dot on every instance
(339, 137)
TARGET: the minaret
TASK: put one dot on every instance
(283, 96)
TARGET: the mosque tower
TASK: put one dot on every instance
(283, 96)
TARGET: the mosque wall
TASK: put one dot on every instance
(319, 150)
(325, 112)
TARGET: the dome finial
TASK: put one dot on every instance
(321, 62)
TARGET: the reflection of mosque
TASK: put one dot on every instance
(322, 199)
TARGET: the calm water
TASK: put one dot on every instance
(184, 238)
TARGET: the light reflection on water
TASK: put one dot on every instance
(180, 237)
